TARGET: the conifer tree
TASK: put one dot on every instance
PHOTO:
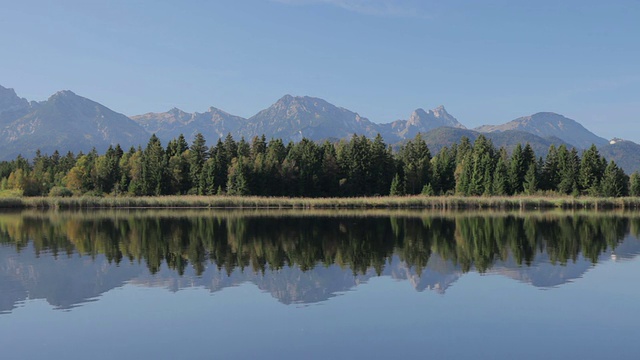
(397, 186)
(531, 180)
(592, 168)
(615, 182)
(568, 170)
(501, 179)
(634, 184)
(197, 156)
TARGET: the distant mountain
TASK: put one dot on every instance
(12, 107)
(625, 153)
(292, 118)
(548, 124)
(66, 122)
(436, 139)
(169, 125)
(420, 121)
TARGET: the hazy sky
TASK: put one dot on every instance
(487, 62)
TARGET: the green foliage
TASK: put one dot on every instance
(615, 182)
(227, 240)
(353, 168)
(397, 186)
(415, 160)
(634, 184)
(531, 180)
(60, 191)
(592, 167)
(427, 190)
(197, 156)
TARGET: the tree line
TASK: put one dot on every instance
(357, 167)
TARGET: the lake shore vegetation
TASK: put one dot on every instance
(358, 173)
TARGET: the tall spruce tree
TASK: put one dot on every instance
(197, 156)
(634, 184)
(592, 167)
(501, 178)
(615, 182)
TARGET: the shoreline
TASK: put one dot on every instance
(382, 202)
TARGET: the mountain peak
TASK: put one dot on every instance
(431, 119)
(64, 93)
(10, 101)
(286, 99)
(440, 111)
(175, 111)
(550, 124)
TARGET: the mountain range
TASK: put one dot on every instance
(69, 122)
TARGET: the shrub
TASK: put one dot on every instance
(60, 191)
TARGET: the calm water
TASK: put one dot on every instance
(319, 285)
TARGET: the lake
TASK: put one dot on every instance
(319, 284)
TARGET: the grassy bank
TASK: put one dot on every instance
(386, 202)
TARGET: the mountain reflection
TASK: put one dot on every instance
(69, 258)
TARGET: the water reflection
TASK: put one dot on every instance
(71, 258)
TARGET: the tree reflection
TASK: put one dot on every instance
(259, 242)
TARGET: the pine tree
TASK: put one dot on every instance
(615, 182)
(416, 160)
(397, 186)
(153, 167)
(568, 170)
(501, 179)
(237, 182)
(634, 184)
(516, 170)
(444, 166)
(197, 156)
(592, 168)
(531, 180)
(549, 171)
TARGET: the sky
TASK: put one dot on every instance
(487, 62)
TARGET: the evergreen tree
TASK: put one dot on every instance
(592, 167)
(517, 170)
(416, 162)
(501, 179)
(382, 168)
(153, 168)
(550, 170)
(615, 182)
(258, 146)
(237, 181)
(330, 175)
(197, 156)
(531, 180)
(243, 148)
(397, 186)
(568, 170)
(634, 184)
(464, 173)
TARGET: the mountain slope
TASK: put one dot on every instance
(547, 124)
(214, 123)
(625, 153)
(66, 122)
(420, 121)
(12, 107)
(436, 139)
(292, 118)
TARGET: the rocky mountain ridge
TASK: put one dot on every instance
(68, 122)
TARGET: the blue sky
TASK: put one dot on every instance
(487, 62)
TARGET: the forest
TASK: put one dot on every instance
(354, 168)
